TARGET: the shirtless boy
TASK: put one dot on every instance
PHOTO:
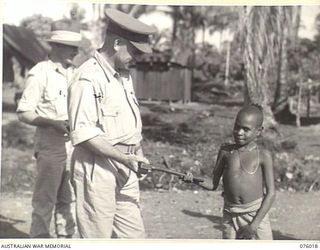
(248, 181)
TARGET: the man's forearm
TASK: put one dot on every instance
(32, 118)
(101, 146)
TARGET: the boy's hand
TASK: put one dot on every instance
(188, 177)
(247, 232)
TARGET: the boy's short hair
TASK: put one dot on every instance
(255, 109)
(258, 106)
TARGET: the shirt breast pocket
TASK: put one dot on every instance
(110, 112)
(112, 122)
(50, 97)
(51, 94)
(56, 101)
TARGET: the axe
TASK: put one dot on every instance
(148, 168)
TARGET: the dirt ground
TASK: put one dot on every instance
(188, 215)
(188, 135)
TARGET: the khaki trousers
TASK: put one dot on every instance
(107, 197)
(53, 192)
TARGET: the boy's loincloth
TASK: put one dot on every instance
(236, 216)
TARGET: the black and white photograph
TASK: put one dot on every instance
(167, 122)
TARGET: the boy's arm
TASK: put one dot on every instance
(268, 178)
(218, 169)
(213, 183)
(267, 171)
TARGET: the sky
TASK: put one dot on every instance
(56, 9)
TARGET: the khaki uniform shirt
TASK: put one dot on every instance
(102, 102)
(46, 91)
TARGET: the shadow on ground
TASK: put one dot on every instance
(8, 229)
(277, 235)
(214, 219)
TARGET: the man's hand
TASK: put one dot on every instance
(132, 161)
(32, 118)
(247, 232)
(62, 127)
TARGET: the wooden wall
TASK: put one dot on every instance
(171, 85)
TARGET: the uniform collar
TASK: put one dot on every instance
(105, 65)
(108, 69)
(58, 67)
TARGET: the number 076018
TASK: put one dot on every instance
(308, 245)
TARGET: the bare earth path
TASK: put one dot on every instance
(188, 215)
(176, 214)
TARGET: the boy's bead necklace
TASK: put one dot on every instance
(252, 147)
(258, 159)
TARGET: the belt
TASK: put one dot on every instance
(128, 148)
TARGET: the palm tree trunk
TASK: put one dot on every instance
(220, 39)
(298, 124)
(203, 34)
(175, 11)
(193, 56)
(296, 24)
(256, 61)
(226, 78)
(294, 38)
(282, 87)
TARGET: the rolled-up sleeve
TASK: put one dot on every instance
(31, 95)
(82, 112)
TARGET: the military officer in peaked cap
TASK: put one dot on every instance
(105, 128)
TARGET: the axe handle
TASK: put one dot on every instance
(144, 170)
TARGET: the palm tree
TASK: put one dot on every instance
(288, 28)
(138, 10)
(222, 19)
(258, 25)
(281, 72)
(269, 32)
(132, 9)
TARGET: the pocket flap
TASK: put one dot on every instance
(50, 95)
(110, 111)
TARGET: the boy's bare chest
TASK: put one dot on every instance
(242, 163)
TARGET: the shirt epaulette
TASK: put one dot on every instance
(37, 69)
(84, 79)
(87, 70)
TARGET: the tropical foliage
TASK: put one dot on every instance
(264, 53)
(39, 24)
